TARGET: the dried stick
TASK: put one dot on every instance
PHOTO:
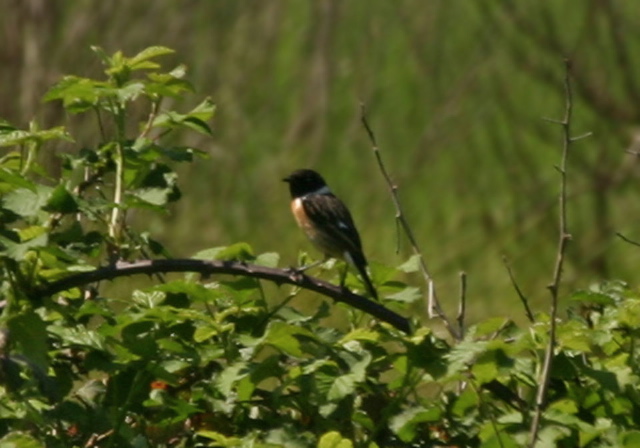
(563, 240)
(434, 305)
(523, 298)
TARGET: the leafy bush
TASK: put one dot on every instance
(192, 362)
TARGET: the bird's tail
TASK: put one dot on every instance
(361, 265)
(367, 282)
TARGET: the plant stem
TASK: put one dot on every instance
(115, 226)
(563, 240)
(434, 305)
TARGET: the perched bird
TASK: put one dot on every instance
(326, 221)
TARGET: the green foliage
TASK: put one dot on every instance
(208, 363)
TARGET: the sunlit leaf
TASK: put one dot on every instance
(269, 259)
(25, 202)
(334, 439)
(20, 440)
(149, 53)
(411, 265)
(409, 294)
(341, 387)
(629, 439)
(406, 424)
(237, 251)
(360, 334)
(591, 297)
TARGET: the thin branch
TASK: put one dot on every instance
(434, 305)
(523, 298)
(580, 137)
(462, 306)
(117, 213)
(624, 238)
(207, 267)
(155, 108)
(563, 240)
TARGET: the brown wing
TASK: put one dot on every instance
(336, 232)
(329, 213)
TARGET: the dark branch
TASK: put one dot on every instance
(401, 221)
(624, 238)
(279, 276)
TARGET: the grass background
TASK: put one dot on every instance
(456, 92)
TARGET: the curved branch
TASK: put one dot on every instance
(279, 276)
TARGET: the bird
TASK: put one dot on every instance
(327, 222)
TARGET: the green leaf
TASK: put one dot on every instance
(489, 326)
(485, 368)
(168, 84)
(630, 439)
(341, 387)
(361, 334)
(406, 424)
(464, 354)
(334, 439)
(196, 119)
(409, 294)
(21, 137)
(78, 94)
(61, 201)
(220, 439)
(27, 203)
(286, 338)
(195, 291)
(411, 265)
(18, 251)
(237, 251)
(13, 180)
(136, 62)
(129, 92)
(464, 403)
(230, 376)
(20, 440)
(29, 334)
(594, 297)
(269, 259)
(153, 196)
(564, 406)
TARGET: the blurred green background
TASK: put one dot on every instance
(455, 91)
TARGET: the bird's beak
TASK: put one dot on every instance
(286, 179)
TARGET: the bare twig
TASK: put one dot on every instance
(205, 267)
(462, 306)
(117, 213)
(434, 305)
(155, 108)
(563, 240)
(523, 298)
(624, 238)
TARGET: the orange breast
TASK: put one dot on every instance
(321, 240)
(301, 218)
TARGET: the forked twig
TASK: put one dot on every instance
(563, 240)
(434, 305)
